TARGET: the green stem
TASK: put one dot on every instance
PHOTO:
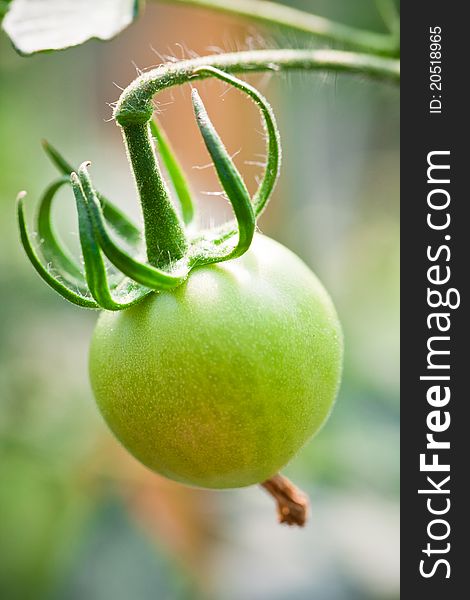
(273, 13)
(135, 103)
(164, 234)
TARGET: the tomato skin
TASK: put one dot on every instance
(220, 382)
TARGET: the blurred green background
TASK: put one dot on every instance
(79, 518)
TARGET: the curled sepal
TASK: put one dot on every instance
(95, 269)
(51, 248)
(273, 143)
(142, 273)
(117, 219)
(57, 159)
(175, 173)
(230, 179)
(58, 286)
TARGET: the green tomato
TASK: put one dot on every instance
(221, 381)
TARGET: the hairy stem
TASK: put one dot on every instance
(272, 13)
(292, 503)
(164, 234)
(135, 103)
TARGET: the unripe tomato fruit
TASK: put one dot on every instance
(220, 382)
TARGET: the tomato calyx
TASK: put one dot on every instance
(114, 276)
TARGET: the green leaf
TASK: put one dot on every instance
(41, 25)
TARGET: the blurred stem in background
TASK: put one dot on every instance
(273, 13)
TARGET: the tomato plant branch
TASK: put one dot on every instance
(135, 104)
(292, 503)
(272, 13)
